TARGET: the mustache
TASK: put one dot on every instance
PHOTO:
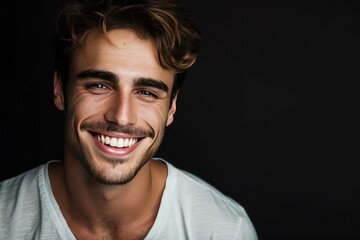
(113, 127)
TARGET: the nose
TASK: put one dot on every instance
(121, 110)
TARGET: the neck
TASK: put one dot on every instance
(91, 207)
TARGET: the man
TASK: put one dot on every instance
(119, 66)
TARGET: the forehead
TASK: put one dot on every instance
(120, 51)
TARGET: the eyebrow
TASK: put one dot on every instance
(112, 77)
(105, 75)
(149, 82)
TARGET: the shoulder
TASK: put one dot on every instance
(204, 205)
(19, 200)
(19, 190)
(198, 192)
(11, 188)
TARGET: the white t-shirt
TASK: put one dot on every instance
(189, 209)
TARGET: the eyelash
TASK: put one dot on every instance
(147, 93)
(142, 92)
(97, 86)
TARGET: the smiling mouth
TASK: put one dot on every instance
(116, 142)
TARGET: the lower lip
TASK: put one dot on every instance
(113, 151)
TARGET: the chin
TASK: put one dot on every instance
(115, 171)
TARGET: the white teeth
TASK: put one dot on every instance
(116, 142)
(120, 143)
(113, 142)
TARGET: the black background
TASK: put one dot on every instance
(269, 114)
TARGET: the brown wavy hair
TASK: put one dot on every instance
(165, 22)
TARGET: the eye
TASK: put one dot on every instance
(147, 93)
(97, 88)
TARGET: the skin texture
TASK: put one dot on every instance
(117, 88)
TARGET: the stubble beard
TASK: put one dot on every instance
(106, 178)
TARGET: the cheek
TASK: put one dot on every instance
(82, 106)
(155, 116)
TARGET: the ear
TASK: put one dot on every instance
(58, 92)
(172, 111)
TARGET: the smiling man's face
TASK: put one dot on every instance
(117, 105)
